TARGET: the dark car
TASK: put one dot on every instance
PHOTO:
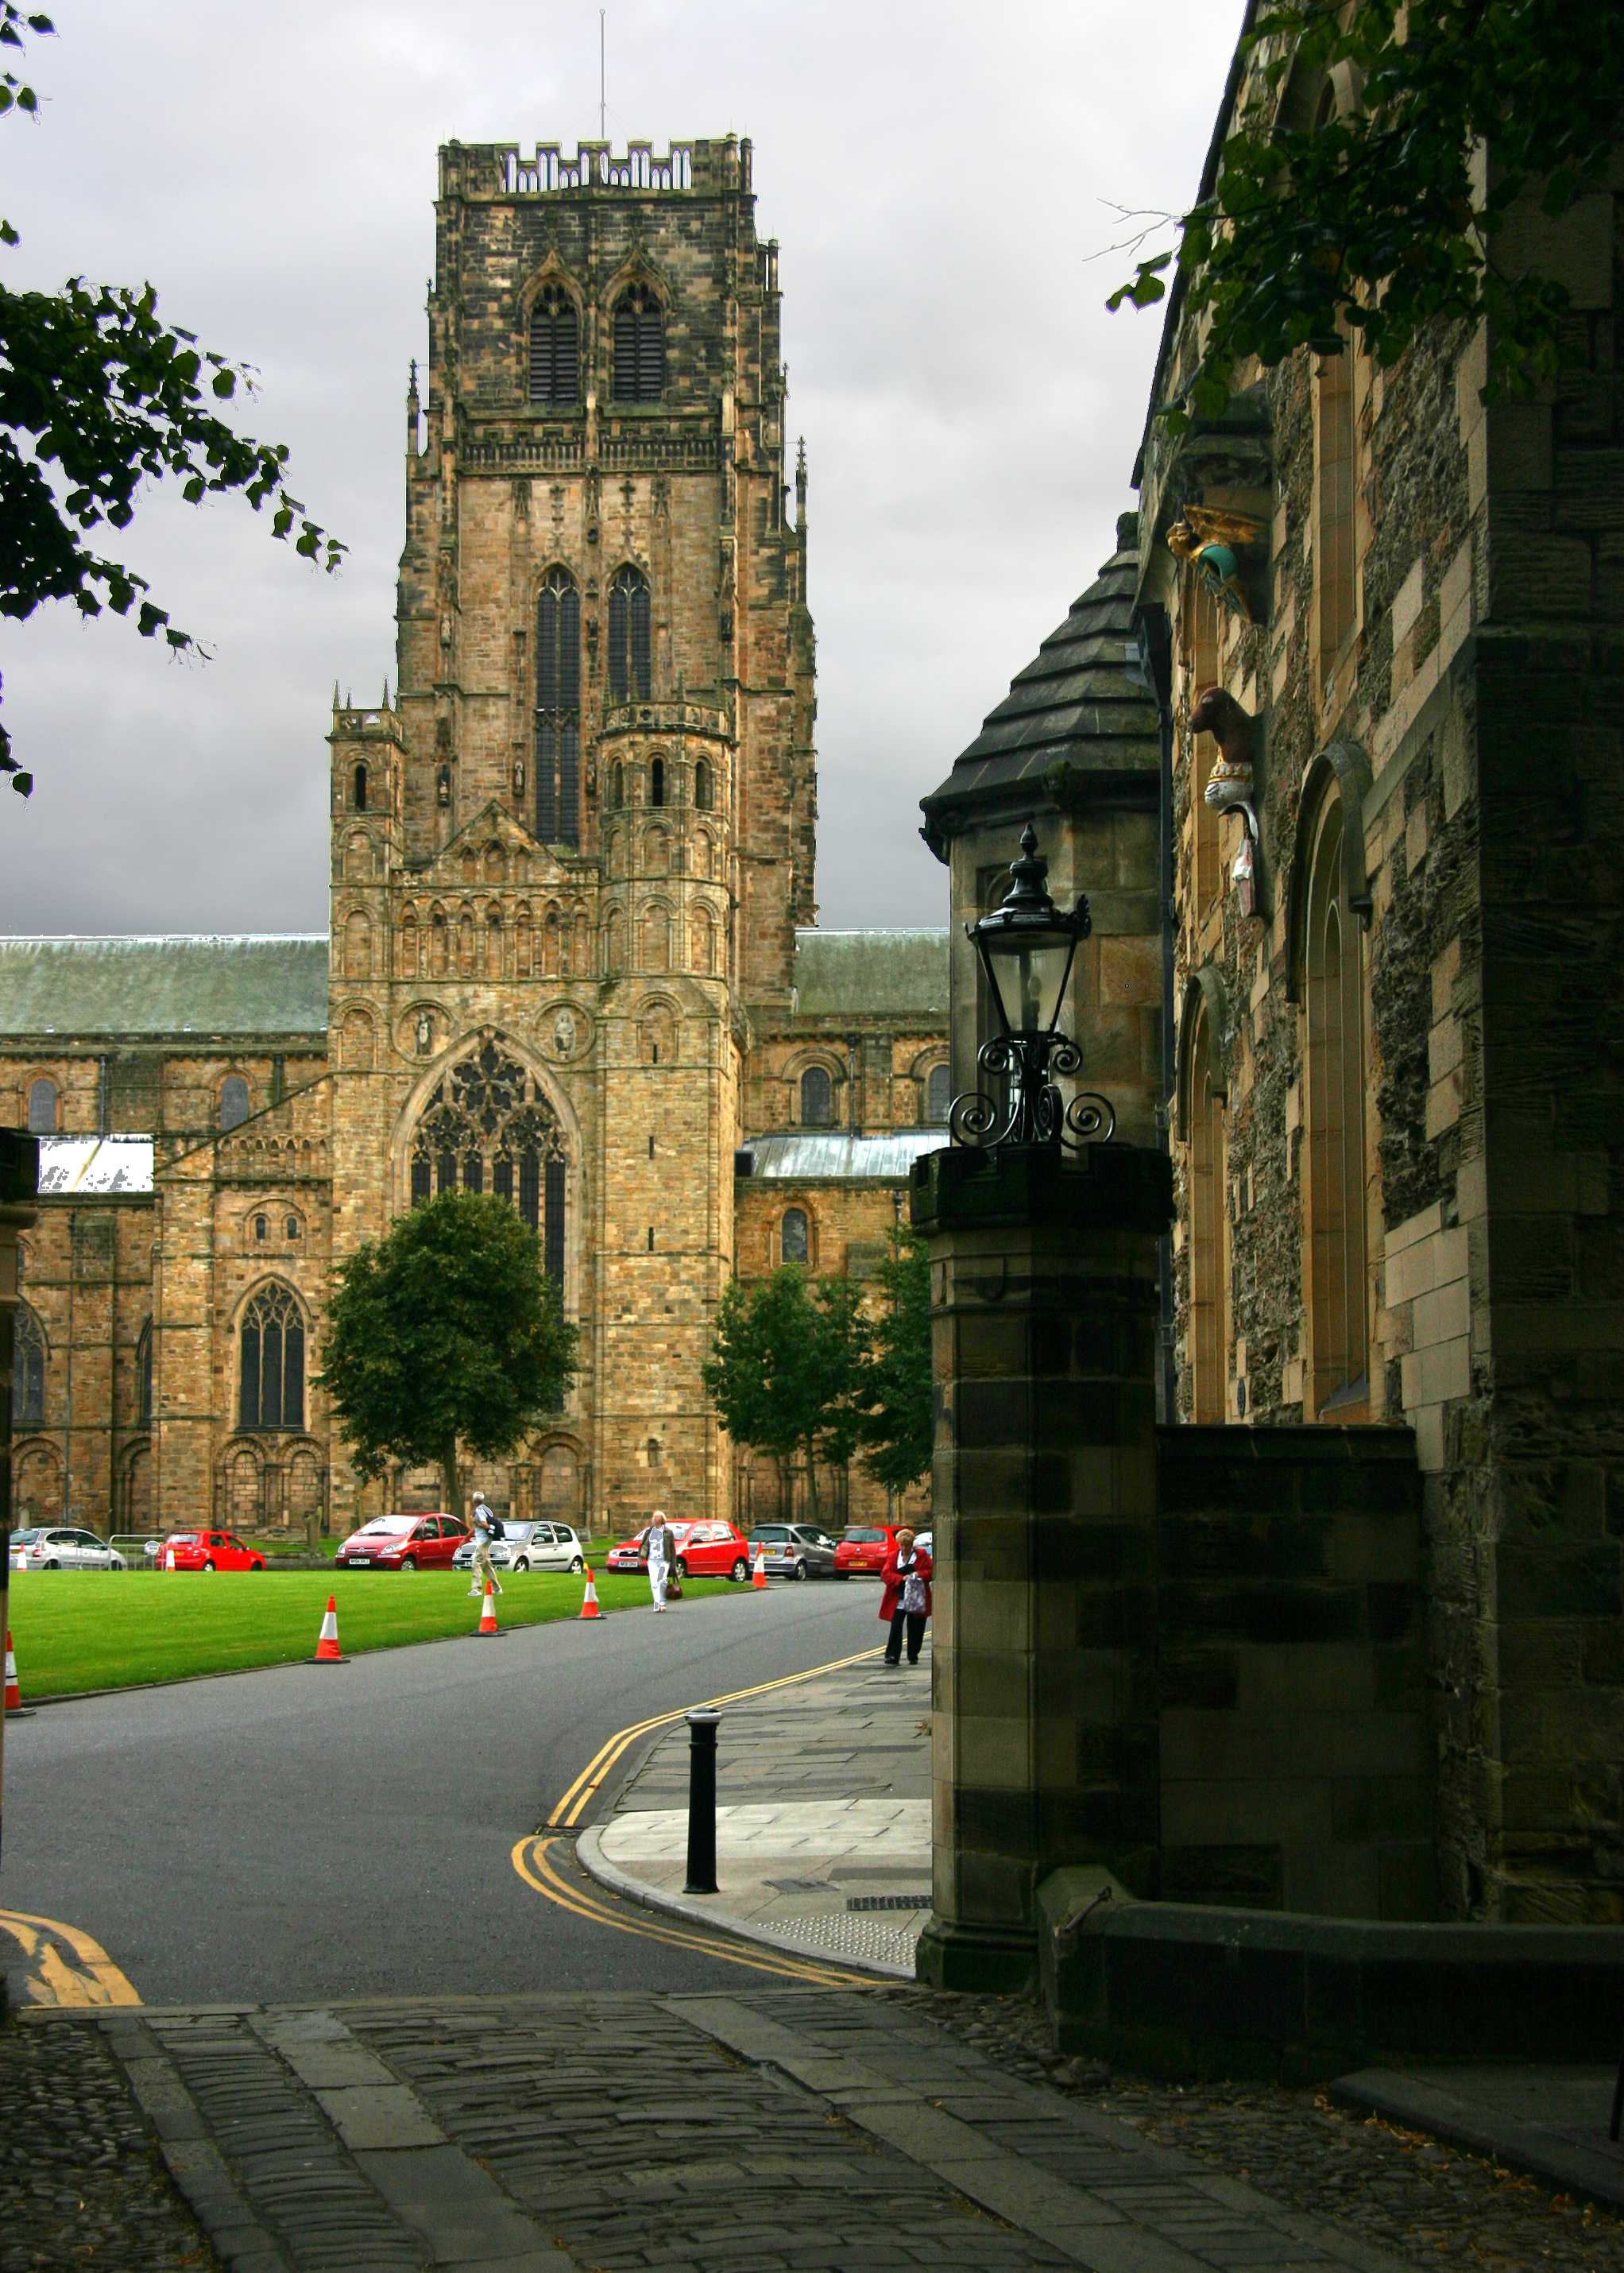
(792, 1550)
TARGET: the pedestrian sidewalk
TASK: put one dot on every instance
(823, 1820)
(775, 2131)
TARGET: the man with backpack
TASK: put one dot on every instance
(487, 1526)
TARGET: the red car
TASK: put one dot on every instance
(402, 1542)
(862, 1551)
(207, 1551)
(703, 1550)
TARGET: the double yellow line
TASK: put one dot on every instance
(586, 1785)
(533, 1860)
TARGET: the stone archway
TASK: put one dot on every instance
(557, 1485)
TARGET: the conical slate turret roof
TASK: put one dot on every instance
(1073, 704)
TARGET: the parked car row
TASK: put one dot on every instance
(439, 1543)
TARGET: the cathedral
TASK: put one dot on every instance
(572, 956)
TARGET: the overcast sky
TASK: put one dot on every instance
(937, 176)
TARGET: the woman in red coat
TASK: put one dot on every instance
(906, 1602)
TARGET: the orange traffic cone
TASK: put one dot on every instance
(488, 1626)
(589, 1600)
(327, 1650)
(13, 1693)
(760, 1579)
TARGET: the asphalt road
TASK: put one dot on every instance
(342, 1831)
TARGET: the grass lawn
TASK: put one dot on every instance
(114, 1629)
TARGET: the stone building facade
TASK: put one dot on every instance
(571, 878)
(1392, 619)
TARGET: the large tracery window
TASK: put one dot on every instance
(639, 347)
(630, 668)
(489, 1128)
(554, 348)
(557, 710)
(271, 1337)
(27, 1370)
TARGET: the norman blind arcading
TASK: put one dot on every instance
(557, 710)
(555, 360)
(629, 669)
(639, 347)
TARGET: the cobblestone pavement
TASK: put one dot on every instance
(82, 2184)
(771, 2130)
(1396, 2188)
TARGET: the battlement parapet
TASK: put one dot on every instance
(498, 169)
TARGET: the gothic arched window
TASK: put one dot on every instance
(817, 1098)
(701, 785)
(43, 1107)
(620, 784)
(555, 361)
(557, 710)
(361, 789)
(657, 782)
(938, 1094)
(792, 1235)
(630, 671)
(232, 1101)
(488, 1128)
(271, 1338)
(144, 1377)
(1208, 1338)
(639, 347)
(27, 1370)
(1333, 1115)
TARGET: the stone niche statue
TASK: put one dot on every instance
(564, 1033)
(1231, 788)
(425, 1034)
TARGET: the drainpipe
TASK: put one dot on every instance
(1150, 665)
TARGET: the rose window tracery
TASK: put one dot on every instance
(487, 1127)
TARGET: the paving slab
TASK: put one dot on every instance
(823, 1820)
(1550, 2122)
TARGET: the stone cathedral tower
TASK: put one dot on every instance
(570, 858)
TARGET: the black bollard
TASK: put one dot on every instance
(702, 1801)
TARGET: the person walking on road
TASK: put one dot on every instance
(483, 1568)
(905, 1603)
(659, 1546)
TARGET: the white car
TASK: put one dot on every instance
(47, 1549)
(528, 1547)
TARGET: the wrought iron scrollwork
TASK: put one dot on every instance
(1035, 1112)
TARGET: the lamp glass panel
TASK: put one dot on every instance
(1029, 975)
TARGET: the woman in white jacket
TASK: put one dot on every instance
(658, 1546)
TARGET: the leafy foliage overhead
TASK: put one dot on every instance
(894, 1389)
(447, 1332)
(97, 396)
(784, 1366)
(1378, 215)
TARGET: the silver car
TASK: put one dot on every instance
(792, 1550)
(57, 1547)
(527, 1547)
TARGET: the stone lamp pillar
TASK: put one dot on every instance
(1045, 1750)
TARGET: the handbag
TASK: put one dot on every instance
(913, 1593)
(673, 1589)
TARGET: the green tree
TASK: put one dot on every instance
(1376, 220)
(97, 396)
(447, 1332)
(895, 1391)
(783, 1371)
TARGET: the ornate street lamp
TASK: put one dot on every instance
(1027, 947)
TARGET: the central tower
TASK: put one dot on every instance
(568, 859)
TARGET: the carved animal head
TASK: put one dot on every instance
(1218, 713)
